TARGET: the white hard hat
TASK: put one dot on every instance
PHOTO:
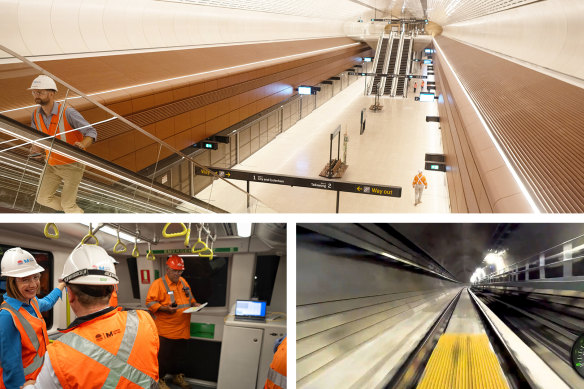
(17, 262)
(43, 82)
(89, 265)
(419, 171)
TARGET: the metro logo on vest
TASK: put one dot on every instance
(105, 335)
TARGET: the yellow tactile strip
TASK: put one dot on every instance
(463, 361)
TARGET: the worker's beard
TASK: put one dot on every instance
(42, 102)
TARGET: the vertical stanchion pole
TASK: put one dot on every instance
(338, 196)
(247, 194)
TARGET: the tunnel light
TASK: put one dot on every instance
(478, 275)
(244, 229)
(496, 259)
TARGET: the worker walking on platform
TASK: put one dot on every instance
(419, 184)
(415, 86)
(104, 347)
(422, 86)
(23, 338)
(66, 124)
(167, 298)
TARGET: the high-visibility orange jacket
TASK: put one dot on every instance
(114, 298)
(164, 292)
(419, 179)
(118, 349)
(65, 133)
(277, 372)
(33, 334)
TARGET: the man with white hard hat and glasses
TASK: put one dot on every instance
(104, 347)
(66, 124)
(23, 335)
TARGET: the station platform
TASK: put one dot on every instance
(389, 152)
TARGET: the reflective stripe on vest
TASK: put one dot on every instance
(60, 131)
(172, 300)
(118, 364)
(38, 360)
(419, 180)
(277, 378)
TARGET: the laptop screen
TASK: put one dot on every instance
(248, 308)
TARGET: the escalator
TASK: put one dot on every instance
(403, 67)
(391, 67)
(381, 53)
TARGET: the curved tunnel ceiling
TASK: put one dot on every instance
(461, 247)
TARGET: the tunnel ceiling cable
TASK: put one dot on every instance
(51, 235)
(124, 120)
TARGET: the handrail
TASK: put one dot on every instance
(119, 242)
(54, 234)
(135, 252)
(89, 236)
(149, 254)
(194, 249)
(400, 49)
(27, 134)
(124, 120)
(173, 234)
(386, 62)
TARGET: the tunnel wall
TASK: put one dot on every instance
(546, 33)
(344, 300)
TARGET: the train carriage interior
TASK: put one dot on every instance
(240, 261)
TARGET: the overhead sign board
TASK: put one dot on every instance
(341, 186)
(187, 250)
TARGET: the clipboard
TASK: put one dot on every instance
(195, 309)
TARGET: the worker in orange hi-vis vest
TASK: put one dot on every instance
(66, 124)
(415, 86)
(277, 372)
(167, 298)
(422, 86)
(419, 184)
(104, 347)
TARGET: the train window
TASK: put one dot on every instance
(265, 277)
(44, 259)
(133, 269)
(208, 279)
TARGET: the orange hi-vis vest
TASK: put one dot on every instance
(114, 298)
(33, 335)
(163, 292)
(118, 349)
(277, 372)
(419, 179)
(65, 133)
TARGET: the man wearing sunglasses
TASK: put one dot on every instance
(66, 124)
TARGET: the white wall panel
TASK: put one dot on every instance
(114, 21)
(91, 26)
(112, 25)
(546, 34)
(65, 25)
(34, 19)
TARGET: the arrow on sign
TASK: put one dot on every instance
(359, 188)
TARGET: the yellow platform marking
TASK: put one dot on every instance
(462, 361)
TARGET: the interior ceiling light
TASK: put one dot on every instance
(244, 229)
(113, 232)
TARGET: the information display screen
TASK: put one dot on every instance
(304, 90)
(427, 97)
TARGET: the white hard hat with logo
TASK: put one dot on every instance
(43, 82)
(19, 263)
(89, 265)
